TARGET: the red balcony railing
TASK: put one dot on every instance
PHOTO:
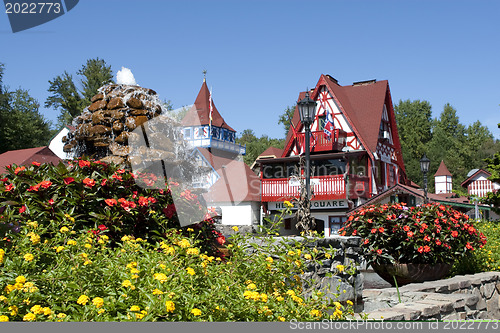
(322, 143)
(323, 187)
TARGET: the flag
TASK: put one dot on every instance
(328, 129)
(211, 107)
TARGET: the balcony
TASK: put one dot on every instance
(335, 143)
(323, 187)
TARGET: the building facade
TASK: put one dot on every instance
(355, 153)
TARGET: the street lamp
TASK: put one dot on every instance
(306, 112)
(424, 166)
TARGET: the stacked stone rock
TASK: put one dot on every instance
(104, 128)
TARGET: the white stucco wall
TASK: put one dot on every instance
(244, 213)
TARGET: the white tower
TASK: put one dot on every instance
(442, 179)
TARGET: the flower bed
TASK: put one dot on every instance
(83, 243)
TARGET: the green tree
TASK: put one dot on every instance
(256, 146)
(414, 121)
(286, 117)
(68, 99)
(493, 167)
(23, 125)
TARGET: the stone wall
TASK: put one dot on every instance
(340, 287)
(461, 297)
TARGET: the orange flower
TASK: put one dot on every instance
(68, 180)
(36, 163)
(45, 184)
(89, 182)
(111, 202)
(19, 169)
(454, 233)
(83, 163)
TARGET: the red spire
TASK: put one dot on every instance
(442, 170)
(199, 114)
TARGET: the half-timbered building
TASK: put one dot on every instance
(354, 147)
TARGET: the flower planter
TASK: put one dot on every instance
(411, 273)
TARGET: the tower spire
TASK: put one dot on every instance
(204, 75)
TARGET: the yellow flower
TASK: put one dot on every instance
(170, 306)
(101, 311)
(105, 238)
(125, 238)
(196, 312)
(291, 253)
(263, 297)
(135, 308)
(315, 313)
(29, 317)
(190, 271)
(71, 242)
(340, 268)
(133, 264)
(98, 302)
(87, 262)
(290, 292)
(288, 204)
(47, 311)
(20, 279)
(33, 224)
(328, 255)
(190, 229)
(160, 277)
(35, 239)
(184, 243)
(59, 248)
(169, 250)
(126, 283)
(28, 257)
(64, 229)
(13, 310)
(307, 256)
(4, 318)
(157, 292)
(279, 298)
(269, 260)
(235, 228)
(61, 315)
(297, 299)
(36, 309)
(280, 318)
(3, 299)
(88, 246)
(193, 251)
(83, 299)
(251, 286)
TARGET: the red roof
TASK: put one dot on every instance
(470, 179)
(26, 156)
(199, 114)
(362, 106)
(271, 152)
(442, 170)
(237, 182)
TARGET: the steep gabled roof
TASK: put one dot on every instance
(26, 156)
(442, 170)
(271, 152)
(474, 175)
(362, 106)
(199, 114)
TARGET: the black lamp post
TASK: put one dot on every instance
(306, 112)
(424, 166)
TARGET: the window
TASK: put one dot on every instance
(335, 223)
(187, 133)
(321, 122)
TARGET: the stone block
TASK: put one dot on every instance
(444, 305)
(388, 314)
(451, 316)
(410, 313)
(369, 293)
(480, 304)
(413, 296)
(493, 306)
(458, 300)
(487, 290)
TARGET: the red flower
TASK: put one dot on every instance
(169, 211)
(438, 242)
(454, 233)
(409, 234)
(355, 232)
(103, 182)
(420, 249)
(34, 188)
(3, 180)
(115, 176)
(221, 240)
(427, 248)
(22, 209)
(427, 238)
(379, 251)
(373, 231)
(45, 184)
(424, 226)
(406, 228)
(381, 229)
(88, 182)
(468, 246)
(19, 169)
(111, 202)
(9, 187)
(143, 201)
(83, 163)
(68, 180)
(102, 227)
(152, 200)
(366, 241)
(369, 221)
(36, 163)
(51, 202)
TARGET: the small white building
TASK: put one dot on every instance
(443, 180)
(478, 184)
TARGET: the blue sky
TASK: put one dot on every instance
(260, 54)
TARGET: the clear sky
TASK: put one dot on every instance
(260, 54)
